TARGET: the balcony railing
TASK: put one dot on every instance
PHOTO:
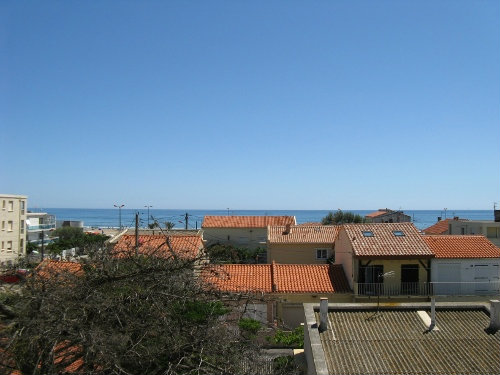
(428, 289)
(42, 227)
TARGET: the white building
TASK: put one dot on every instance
(39, 225)
(12, 228)
(464, 265)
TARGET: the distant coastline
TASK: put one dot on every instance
(106, 217)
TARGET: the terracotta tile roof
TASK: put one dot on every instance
(379, 213)
(277, 278)
(441, 227)
(239, 277)
(52, 268)
(246, 221)
(183, 246)
(384, 244)
(308, 224)
(310, 278)
(458, 246)
(303, 234)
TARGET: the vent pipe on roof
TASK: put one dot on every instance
(433, 313)
(287, 229)
(323, 314)
(494, 316)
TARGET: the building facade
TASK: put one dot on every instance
(39, 226)
(13, 210)
(385, 215)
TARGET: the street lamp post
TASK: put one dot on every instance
(119, 213)
(148, 213)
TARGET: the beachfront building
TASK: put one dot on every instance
(12, 231)
(242, 231)
(488, 228)
(39, 226)
(387, 259)
(464, 265)
(302, 244)
(385, 215)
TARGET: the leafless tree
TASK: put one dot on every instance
(134, 314)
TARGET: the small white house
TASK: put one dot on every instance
(464, 265)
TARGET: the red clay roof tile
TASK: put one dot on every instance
(183, 246)
(246, 221)
(462, 246)
(277, 278)
(441, 227)
(384, 243)
(303, 234)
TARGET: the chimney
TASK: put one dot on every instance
(287, 229)
(494, 315)
(273, 275)
(433, 313)
(439, 218)
(323, 314)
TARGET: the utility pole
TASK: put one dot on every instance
(186, 218)
(148, 213)
(119, 214)
(136, 233)
(42, 235)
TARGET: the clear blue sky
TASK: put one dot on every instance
(251, 104)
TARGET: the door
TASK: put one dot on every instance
(409, 279)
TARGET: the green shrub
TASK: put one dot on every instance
(293, 338)
(249, 325)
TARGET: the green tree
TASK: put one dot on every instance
(341, 217)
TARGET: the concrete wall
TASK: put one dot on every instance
(297, 253)
(241, 237)
(344, 256)
(12, 228)
(290, 306)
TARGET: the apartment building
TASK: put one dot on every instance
(13, 210)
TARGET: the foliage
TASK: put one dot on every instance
(30, 247)
(169, 225)
(293, 338)
(71, 237)
(341, 217)
(220, 253)
(136, 315)
(249, 325)
(284, 365)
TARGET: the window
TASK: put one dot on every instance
(462, 230)
(321, 254)
(21, 245)
(3, 245)
(492, 232)
(9, 245)
(3, 224)
(11, 206)
(368, 233)
(22, 226)
(398, 233)
(3, 205)
(22, 207)
(10, 225)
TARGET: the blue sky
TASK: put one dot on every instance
(251, 104)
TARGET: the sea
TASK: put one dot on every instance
(110, 218)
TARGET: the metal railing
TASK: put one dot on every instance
(42, 226)
(428, 289)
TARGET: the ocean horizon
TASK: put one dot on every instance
(109, 217)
